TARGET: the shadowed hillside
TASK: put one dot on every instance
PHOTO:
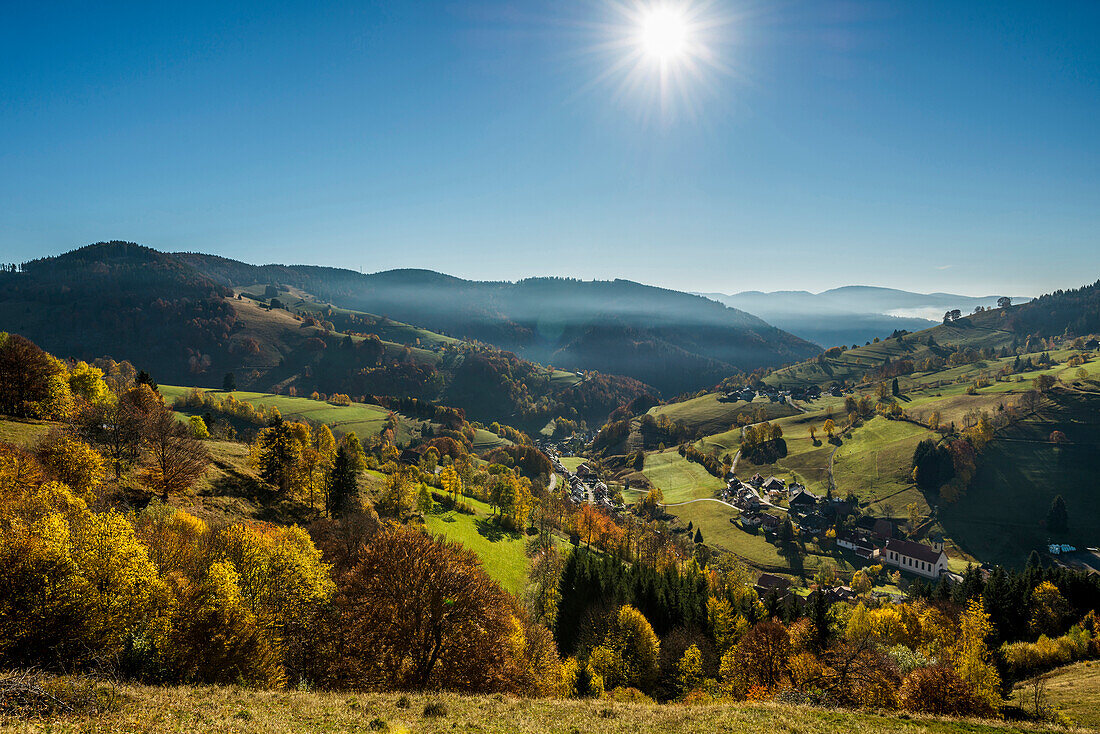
(134, 303)
(671, 340)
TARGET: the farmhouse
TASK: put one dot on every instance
(774, 484)
(769, 582)
(856, 542)
(923, 560)
(803, 500)
(750, 520)
(770, 522)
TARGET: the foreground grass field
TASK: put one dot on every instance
(235, 710)
(1074, 690)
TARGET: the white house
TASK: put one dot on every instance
(924, 560)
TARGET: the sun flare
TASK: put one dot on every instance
(665, 57)
(664, 34)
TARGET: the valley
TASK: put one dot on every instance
(771, 492)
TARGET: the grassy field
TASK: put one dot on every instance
(572, 462)
(875, 463)
(709, 414)
(502, 553)
(1074, 690)
(679, 479)
(229, 709)
(22, 433)
(364, 419)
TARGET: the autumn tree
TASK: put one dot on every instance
(761, 657)
(973, 659)
(72, 461)
(197, 426)
(115, 426)
(25, 376)
(175, 459)
(629, 654)
(399, 495)
(689, 670)
(451, 483)
(419, 612)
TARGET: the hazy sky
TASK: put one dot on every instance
(933, 145)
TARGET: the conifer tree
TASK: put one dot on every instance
(343, 484)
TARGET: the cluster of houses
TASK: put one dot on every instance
(584, 484)
(872, 539)
(770, 584)
(756, 496)
(777, 394)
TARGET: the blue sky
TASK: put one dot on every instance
(925, 145)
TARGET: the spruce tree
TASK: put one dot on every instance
(343, 484)
(279, 455)
(1057, 516)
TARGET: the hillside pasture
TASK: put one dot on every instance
(710, 414)
(1001, 518)
(1073, 690)
(678, 479)
(22, 433)
(362, 418)
(875, 463)
(502, 553)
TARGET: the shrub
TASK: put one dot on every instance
(29, 693)
(939, 690)
(1025, 658)
(435, 709)
(627, 695)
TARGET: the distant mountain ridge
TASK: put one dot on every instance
(674, 341)
(852, 314)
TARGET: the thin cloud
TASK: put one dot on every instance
(942, 267)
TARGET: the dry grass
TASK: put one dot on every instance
(230, 709)
(1073, 690)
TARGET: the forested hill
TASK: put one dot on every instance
(993, 332)
(130, 302)
(671, 340)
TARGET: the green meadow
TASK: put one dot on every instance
(502, 553)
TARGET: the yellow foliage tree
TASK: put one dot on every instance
(73, 462)
(973, 661)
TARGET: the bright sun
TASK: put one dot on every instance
(664, 34)
(667, 54)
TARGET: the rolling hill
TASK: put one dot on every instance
(673, 341)
(134, 303)
(997, 330)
